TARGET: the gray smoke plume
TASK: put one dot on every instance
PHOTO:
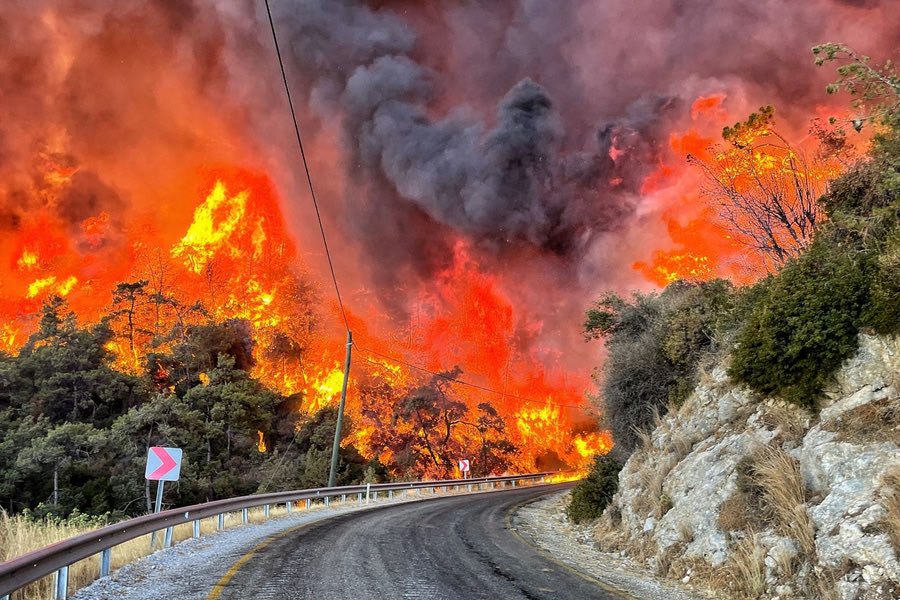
(510, 184)
(526, 127)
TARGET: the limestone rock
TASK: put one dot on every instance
(671, 493)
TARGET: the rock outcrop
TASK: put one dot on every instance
(766, 500)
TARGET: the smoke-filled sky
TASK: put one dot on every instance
(532, 134)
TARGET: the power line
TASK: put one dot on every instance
(459, 381)
(337, 290)
(312, 192)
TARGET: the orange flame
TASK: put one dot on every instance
(235, 257)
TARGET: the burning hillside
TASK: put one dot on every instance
(483, 169)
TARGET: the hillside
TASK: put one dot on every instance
(756, 427)
(763, 498)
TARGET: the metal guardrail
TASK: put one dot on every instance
(56, 558)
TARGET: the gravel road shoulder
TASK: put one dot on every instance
(544, 523)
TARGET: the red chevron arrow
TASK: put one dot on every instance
(168, 463)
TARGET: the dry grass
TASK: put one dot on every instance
(701, 573)
(681, 444)
(791, 419)
(645, 443)
(785, 495)
(608, 533)
(666, 559)
(877, 421)
(744, 574)
(653, 501)
(671, 561)
(890, 498)
(734, 513)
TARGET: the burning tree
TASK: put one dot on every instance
(427, 428)
(764, 191)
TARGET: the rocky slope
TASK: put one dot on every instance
(756, 498)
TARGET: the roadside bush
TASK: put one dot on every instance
(594, 492)
(655, 343)
(804, 323)
(883, 312)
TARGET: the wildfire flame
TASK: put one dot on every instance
(704, 247)
(236, 258)
(261, 444)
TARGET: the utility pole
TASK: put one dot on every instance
(332, 475)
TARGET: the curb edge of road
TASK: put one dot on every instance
(514, 531)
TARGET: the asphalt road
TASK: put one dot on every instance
(456, 548)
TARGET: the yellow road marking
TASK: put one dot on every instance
(230, 573)
(227, 577)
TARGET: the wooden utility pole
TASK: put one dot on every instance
(332, 475)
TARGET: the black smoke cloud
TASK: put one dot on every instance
(523, 126)
(528, 124)
(502, 186)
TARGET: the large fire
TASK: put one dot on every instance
(486, 170)
(754, 163)
(235, 260)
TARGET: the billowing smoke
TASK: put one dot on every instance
(511, 183)
(528, 129)
(527, 124)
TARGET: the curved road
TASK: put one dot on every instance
(457, 548)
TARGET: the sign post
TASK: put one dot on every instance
(163, 464)
(464, 468)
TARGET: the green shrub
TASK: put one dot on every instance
(804, 323)
(654, 344)
(593, 493)
(883, 311)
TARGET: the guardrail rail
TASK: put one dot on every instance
(56, 558)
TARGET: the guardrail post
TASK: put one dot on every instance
(244, 516)
(368, 486)
(457, 488)
(266, 511)
(308, 502)
(404, 494)
(513, 483)
(167, 539)
(221, 524)
(390, 494)
(197, 528)
(287, 507)
(61, 584)
(432, 490)
(359, 498)
(470, 487)
(343, 498)
(105, 558)
(375, 496)
(326, 501)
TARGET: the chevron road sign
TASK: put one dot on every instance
(163, 464)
